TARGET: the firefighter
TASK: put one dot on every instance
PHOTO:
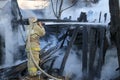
(34, 32)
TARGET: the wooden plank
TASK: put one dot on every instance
(84, 52)
(92, 53)
(12, 72)
(63, 38)
(68, 50)
(100, 59)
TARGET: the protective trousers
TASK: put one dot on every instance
(32, 70)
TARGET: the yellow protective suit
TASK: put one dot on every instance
(37, 31)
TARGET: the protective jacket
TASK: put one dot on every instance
(36, 32)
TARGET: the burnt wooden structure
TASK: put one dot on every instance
(92, 35)
(97, 33)
(68, 49)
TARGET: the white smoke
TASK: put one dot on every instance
(28, 13)
(111, 64)
(73, 68)
(6, 30)
(9, 42)
(11, 38)
(52, 40)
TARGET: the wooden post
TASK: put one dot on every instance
(2, 50)
(68, 50)
(92, 53)
(64, 38)
(100, 60)
(100, 17)
(84, 54)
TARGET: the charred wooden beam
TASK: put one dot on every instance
(47, 60)
(84, 54)
(64, 38)
(51, 66)
(14, 12)
(42, 51)
(49, 52)
(100, 17)
(68, 50)
(92, 52)
(100, 59)
(82, 17)
(2, 46)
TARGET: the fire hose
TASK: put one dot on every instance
(31, 55)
